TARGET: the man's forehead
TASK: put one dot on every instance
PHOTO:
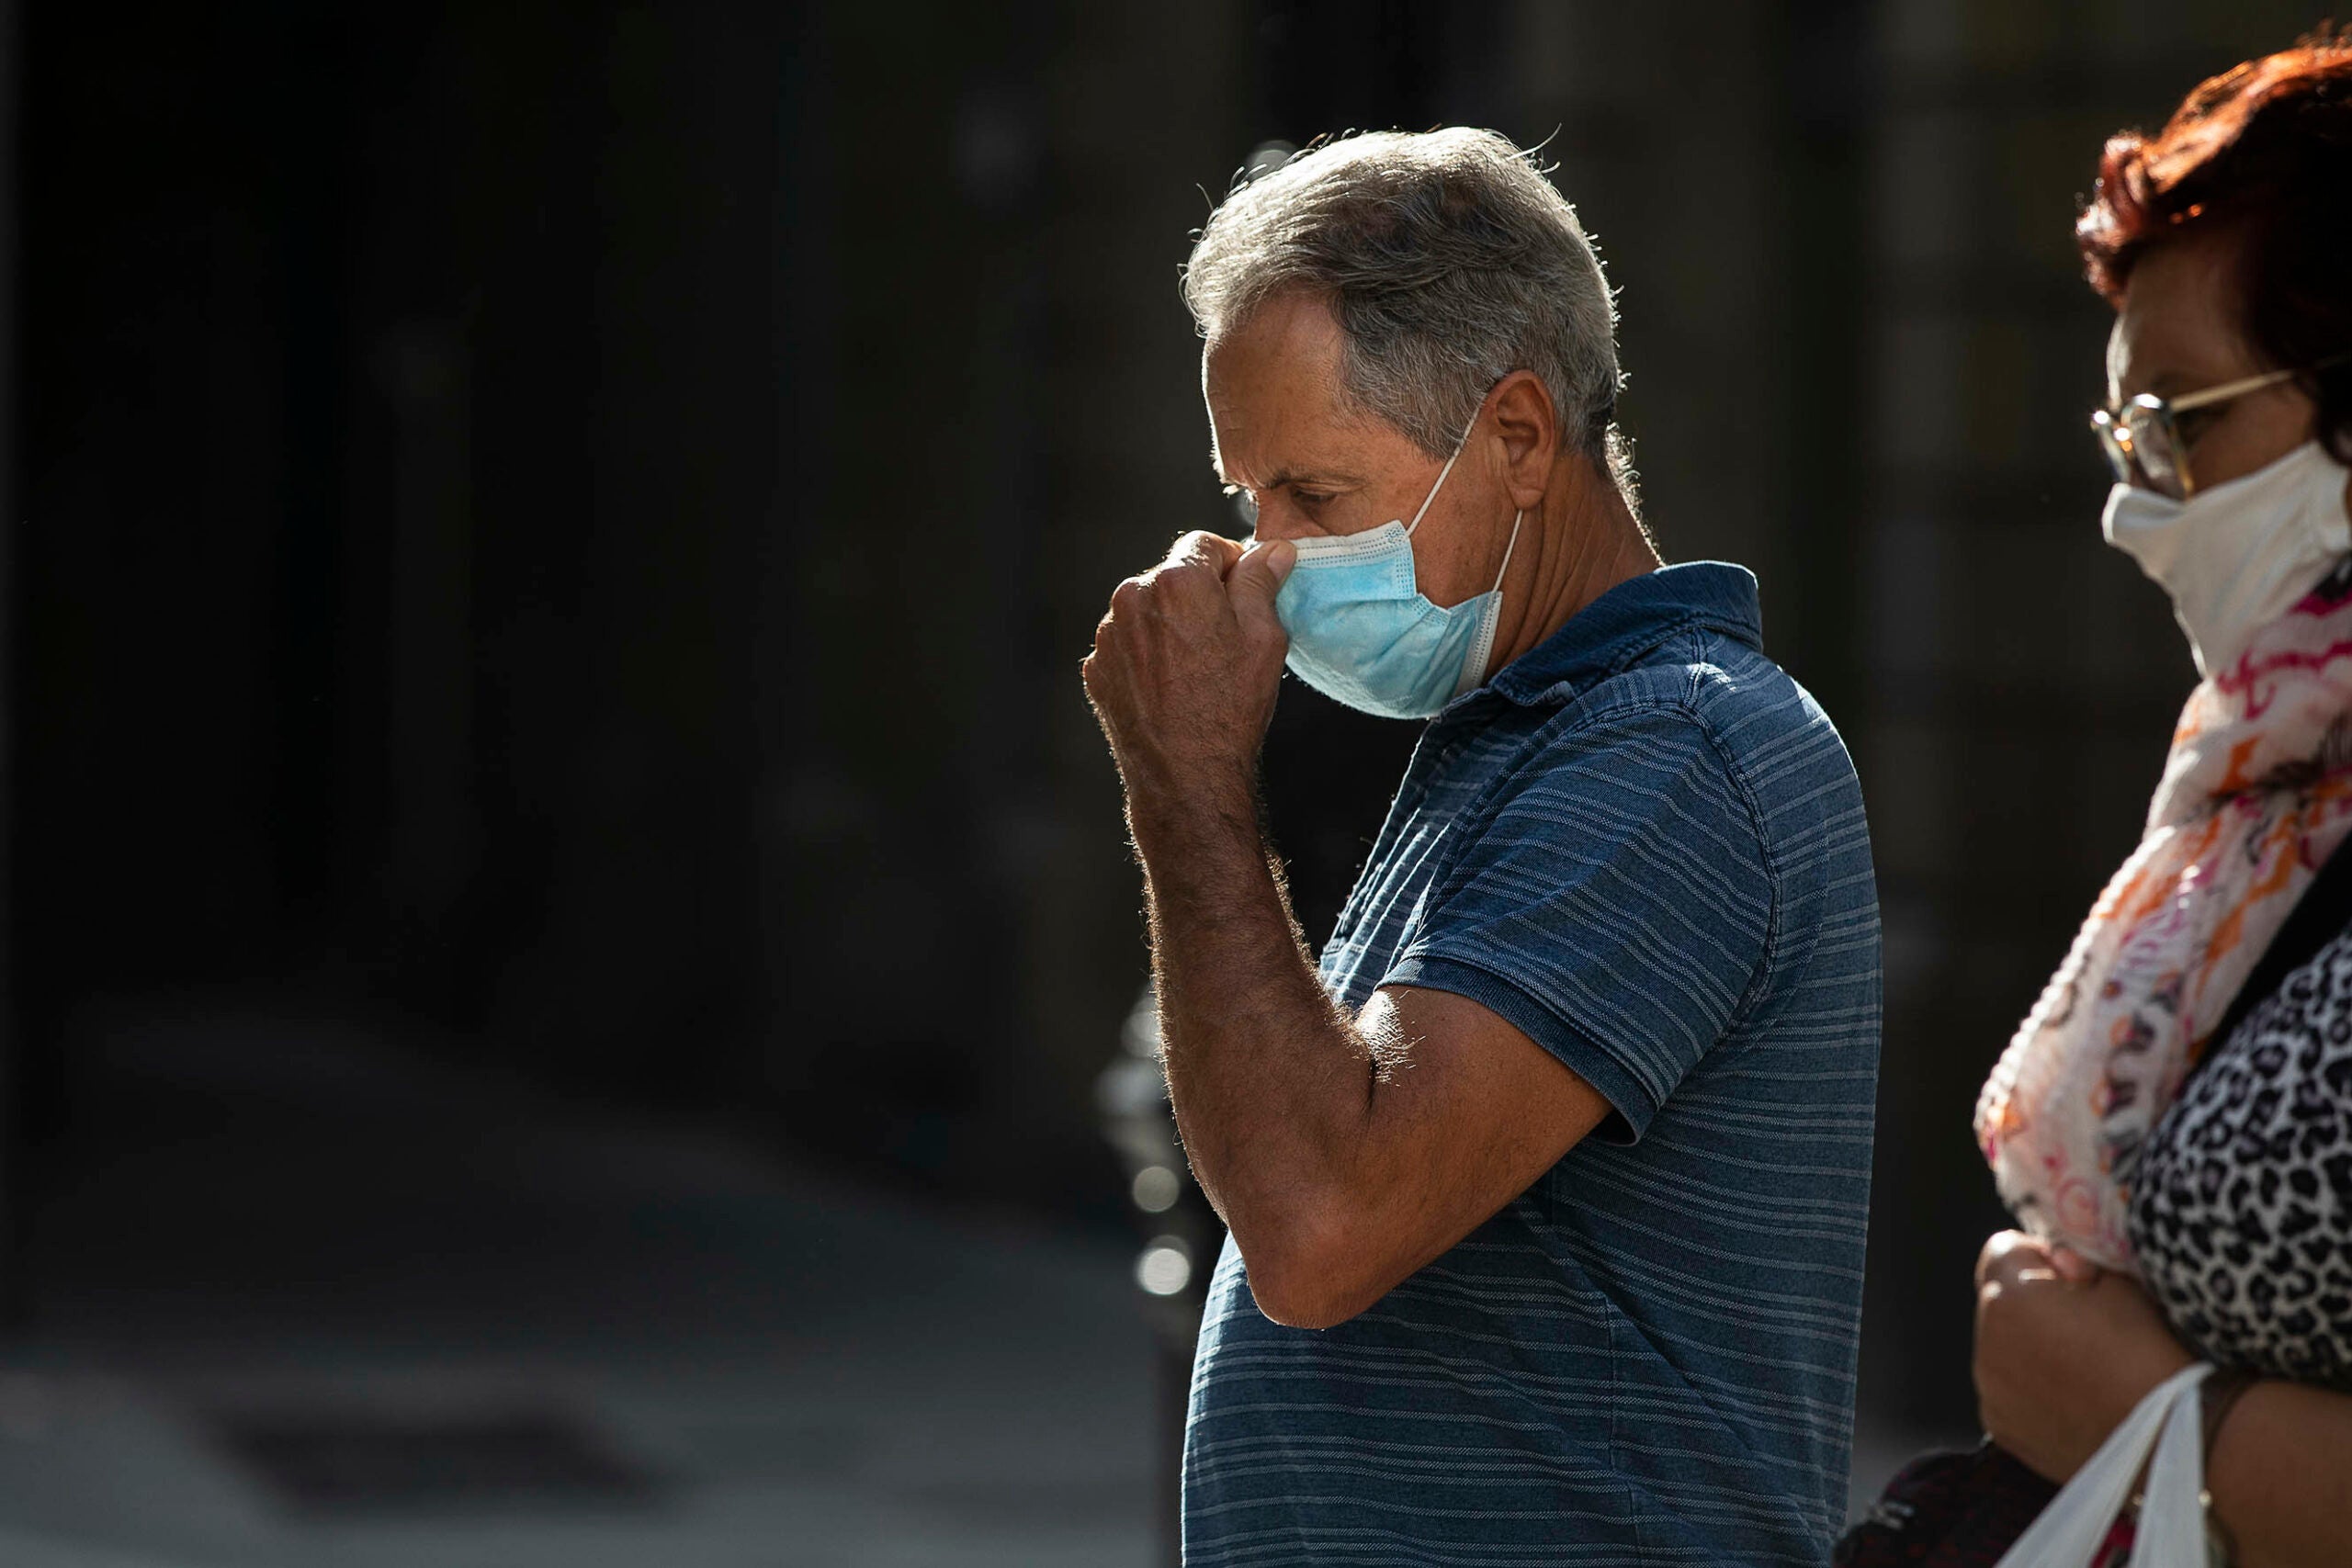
(1293, 332)
(1284, 451)
(1278, 410)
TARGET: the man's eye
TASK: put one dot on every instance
(1308, 499)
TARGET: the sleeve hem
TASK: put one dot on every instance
(1562, 1038)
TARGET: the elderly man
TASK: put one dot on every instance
(1546, 1193)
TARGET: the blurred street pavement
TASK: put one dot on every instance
(275, 1223)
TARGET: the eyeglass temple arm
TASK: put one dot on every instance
(2227, 389)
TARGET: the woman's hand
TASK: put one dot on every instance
(2064, 1351)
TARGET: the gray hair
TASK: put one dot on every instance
(1449, 261)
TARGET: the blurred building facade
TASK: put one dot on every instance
(577, 525)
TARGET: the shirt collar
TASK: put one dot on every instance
(1630, 620)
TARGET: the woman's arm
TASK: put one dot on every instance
(2064, 1350)
(2280, 1475)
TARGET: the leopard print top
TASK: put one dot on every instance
(2241, 1207)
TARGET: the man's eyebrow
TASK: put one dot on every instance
(1277, 479)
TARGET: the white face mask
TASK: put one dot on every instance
(2238, 556)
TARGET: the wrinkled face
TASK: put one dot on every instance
(1285, 433)
(2177, 334)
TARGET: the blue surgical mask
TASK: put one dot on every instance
(1363, 633)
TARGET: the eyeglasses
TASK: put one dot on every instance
(2141, 439)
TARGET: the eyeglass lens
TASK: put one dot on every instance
(2139, 447)
(2152, 439)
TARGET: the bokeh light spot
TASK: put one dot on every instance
(1164, 1269)
(1156, 1188)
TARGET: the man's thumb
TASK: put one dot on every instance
(1258, 575)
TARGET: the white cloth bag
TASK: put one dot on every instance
(2172, 1514)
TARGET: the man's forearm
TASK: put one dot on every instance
(1271, 1085)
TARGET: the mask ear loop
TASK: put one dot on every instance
(1516, 519)
(1473, 660)
(1459, 448)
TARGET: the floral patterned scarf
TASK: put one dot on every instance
(2256, 793)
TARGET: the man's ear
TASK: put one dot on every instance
(1529, 428)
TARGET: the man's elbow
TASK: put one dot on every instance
(1311, 1275)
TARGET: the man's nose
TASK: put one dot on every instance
(1277, 520)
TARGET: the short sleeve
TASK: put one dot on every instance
(1614, 905)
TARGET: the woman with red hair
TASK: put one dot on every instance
(2172, 1124)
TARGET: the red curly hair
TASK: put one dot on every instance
(2263, 151)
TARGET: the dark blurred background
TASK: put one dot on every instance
(564, 899)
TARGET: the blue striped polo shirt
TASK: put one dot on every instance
(1642, 844)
